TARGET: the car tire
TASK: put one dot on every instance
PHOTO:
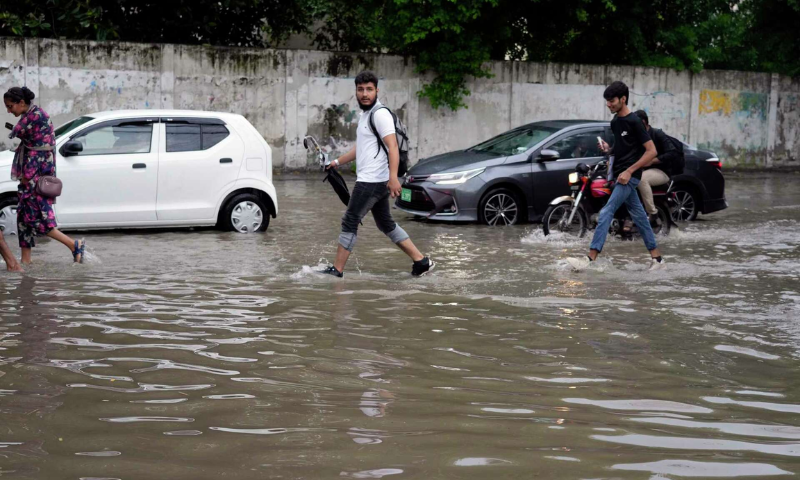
(497, 206)
(8, 215)
(687, 204)
(245, 213)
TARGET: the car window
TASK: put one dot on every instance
(515, 141)
(194, 137)
(116, 140)
(213, 134)
(183, 138)
(71, 125)
(580, 145)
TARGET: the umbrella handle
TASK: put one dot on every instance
(324, 160)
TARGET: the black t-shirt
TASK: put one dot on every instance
(665, 149)
(629, 139)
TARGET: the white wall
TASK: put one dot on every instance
(749, 119)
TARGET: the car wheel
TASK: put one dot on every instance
(687, 205)
(245, 213)
(8, 216)
(500, 207)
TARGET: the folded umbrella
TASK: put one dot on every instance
(333, 177)
(339, 185)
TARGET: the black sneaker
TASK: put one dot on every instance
(422, 267)
(331, 271)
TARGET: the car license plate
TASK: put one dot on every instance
(575, 187)
(405, 195)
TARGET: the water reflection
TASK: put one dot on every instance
(187, 351)
(688, 468)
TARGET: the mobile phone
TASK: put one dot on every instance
(599, 140)
(9, 126)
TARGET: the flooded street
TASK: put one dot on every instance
(202, 355)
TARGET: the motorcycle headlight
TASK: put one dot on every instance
(455, 178)
(573, 178)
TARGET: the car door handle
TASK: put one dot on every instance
(225, 160)
(139, 165)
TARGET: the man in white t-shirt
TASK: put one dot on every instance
(376, 180)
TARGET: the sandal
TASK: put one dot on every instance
(80, 246)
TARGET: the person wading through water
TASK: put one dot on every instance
(35, 215)
(633, 150)
(12, 265)
(376, 180)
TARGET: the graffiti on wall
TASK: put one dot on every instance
(728, 103)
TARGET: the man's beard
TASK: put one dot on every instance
(367, 108)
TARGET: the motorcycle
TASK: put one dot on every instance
(577, 213)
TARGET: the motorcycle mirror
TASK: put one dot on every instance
(305, 143)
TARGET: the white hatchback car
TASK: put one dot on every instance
(156, 168)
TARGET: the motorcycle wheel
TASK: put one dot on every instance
(664, 220)
(556, 216)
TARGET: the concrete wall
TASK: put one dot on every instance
(749, 119)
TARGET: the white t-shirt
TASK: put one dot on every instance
(369, 167)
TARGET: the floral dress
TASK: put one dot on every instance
(35, 215)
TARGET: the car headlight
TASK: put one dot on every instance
(455, 178)
(573, 178)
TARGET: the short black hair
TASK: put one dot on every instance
(643, 115)
(366, 77)
(617, 90)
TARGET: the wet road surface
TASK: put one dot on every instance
(199, 354)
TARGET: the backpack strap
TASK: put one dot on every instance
(374, 129)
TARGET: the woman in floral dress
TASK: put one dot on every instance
(35, 215)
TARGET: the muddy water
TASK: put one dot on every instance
(199, 354)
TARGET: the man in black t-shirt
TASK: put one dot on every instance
(659, 170)
(633, 149)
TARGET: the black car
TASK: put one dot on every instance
(514, 176)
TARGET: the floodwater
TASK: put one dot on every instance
(203, 355)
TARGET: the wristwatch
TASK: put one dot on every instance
(336, 161)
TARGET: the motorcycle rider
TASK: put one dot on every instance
(633, 149)
(659, 170)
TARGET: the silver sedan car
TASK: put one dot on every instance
(512, 177)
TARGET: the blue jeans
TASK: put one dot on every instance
(623, 194)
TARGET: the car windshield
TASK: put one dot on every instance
(72, 125)
(515, 141)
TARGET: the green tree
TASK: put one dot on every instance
(73, 19)
(213, 22)
(774, 34)
(447, 37)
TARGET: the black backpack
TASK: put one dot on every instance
(402, 140)
(680, 161)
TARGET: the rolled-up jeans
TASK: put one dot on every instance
(369, 196)
(623, 194)
(652, 177)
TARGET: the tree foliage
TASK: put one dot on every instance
(446, 37)
(453, 38)
(210, 22)
(450, 39)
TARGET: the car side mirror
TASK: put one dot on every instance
(71, 149)
(547, 156)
